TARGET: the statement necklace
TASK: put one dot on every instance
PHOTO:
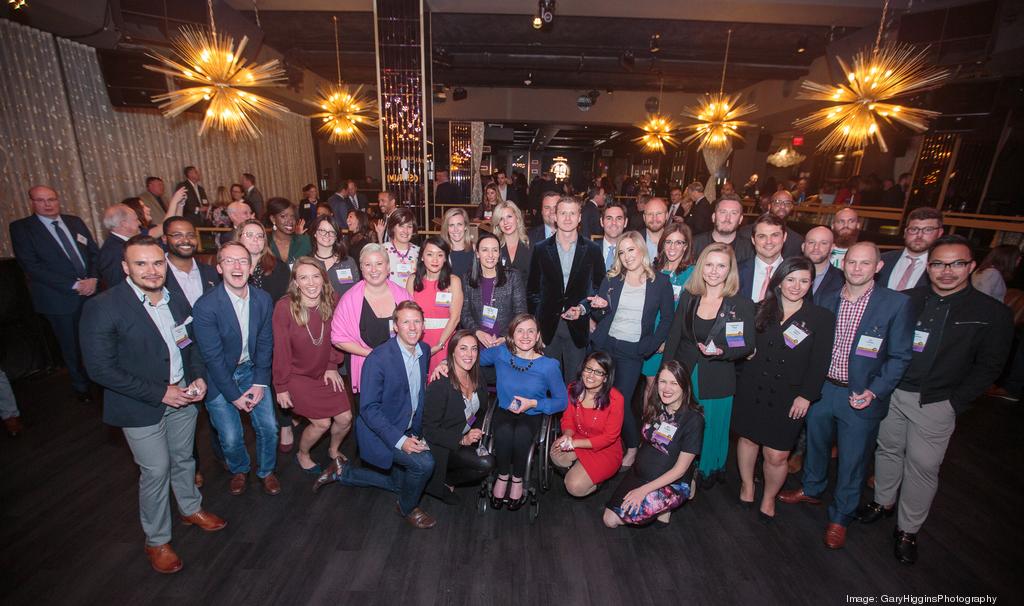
(512, 363)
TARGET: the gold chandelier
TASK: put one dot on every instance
(345, 111)
(717, 115)
(212, 61)
(658, 133)
(858, 105)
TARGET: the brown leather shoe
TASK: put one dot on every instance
(835, 536)
(13, 426)
(797, 496)
(270, 485)
(204, 520)
(238, 482)
(418, 518)
(199, 479)
(795, 463)
(163, 559)
(331, 474)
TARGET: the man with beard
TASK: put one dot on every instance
(655, 219)
(828, 280)
(137, 344)
(727, 218)
(845, 229)
(781, 205)
(905, 269)
(187, 278)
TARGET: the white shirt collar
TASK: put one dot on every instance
(165, 298)
(759, 263)
(235, 299)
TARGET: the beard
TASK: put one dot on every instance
(847, 238)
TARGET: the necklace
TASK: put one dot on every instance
(317, 341)
(317, 255)
(512, 363)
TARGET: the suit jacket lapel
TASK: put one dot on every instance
(554, 258)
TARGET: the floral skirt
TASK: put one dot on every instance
(654, 504)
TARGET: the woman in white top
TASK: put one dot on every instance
(402, 253)
(626, 309)
(997, 268)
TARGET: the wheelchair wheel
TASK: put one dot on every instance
(534, 505)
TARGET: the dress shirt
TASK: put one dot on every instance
(191, 282)
(123, 238)
(819, 277)
(164, 321)
(48, 222)
(503, 192)
(652, 246)
(761, 275)
(837, 256)
(241, 306)
(472, 406)
(608, 251)
(901, 267)
(412, 374)
(847, 323)
(195, 188)
(548, 231)
(565, 259)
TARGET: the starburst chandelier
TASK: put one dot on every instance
(345, 111)
(659, 131)
(877, 77)
(718, 115)
(211, 60)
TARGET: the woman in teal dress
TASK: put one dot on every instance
(288, 240)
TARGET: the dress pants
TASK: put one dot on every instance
(163, 453)
(912, 441)
(65, 328)
(628, 366)
(514, 437)
(563, 349)
(833, 417)
(407, 477)
(8, 405)
(228, 423)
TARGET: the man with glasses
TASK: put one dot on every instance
(655, 219)
(727, 218)
(233, 330)
(905, 269)
(962, 338)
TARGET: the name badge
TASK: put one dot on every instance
(82, 240)
(734, 334)
(180, 334)
(488, 214)
(490, 316)
(403, 269)
(677, 289)
(664, 434)
(344, 275)
(443, 299)
(920, 340)
(794, 335)
(869, 347)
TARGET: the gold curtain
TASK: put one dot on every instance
(59, 128)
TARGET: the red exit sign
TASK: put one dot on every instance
(798, 141)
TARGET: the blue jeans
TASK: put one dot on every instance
(228, 423)
(408, 476)
(832, 417)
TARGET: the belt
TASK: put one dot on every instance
(837, 382)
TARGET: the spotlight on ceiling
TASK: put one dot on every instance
(655, 42)
(537, 23)
(801, 46)
(545, 14)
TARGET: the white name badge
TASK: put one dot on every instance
(344, 275)
(82, 240)
(668, 430)
(677, 289)
(490, 316)
(920, 340)
(487, 214)
(734, 334)
(403, 268)
(869, 347)
(794, 335)
(180, 335)
(443, 299)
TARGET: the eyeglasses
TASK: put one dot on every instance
(597, 372)
(241, 261)
(254, 236)
(913, 231)
(940, 266)
(325, 232)
(676, 243)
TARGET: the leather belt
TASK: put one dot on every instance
(837, 382)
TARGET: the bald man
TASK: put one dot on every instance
(828, 280)
(655, 220)
(238, 212)
(846, 227)
(58, 254)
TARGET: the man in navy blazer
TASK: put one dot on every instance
(828, 280)
(137, 344)
(905, 269)
(58, 254)
(871, 351)
(233, 329)
(390, 423)
(768, 236)
(121, 223)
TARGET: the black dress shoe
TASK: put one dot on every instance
(744, 505)
(764, 518)
(906, 547)
(872, 512)
(517, 504)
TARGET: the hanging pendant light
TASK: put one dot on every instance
(717, 116)
(345, 111)
(659, 131)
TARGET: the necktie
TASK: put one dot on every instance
(160, 201)
(905, 278)
(609, 257)
(764, 285)
(69, 249)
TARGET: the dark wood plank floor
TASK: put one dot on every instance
(70, 535)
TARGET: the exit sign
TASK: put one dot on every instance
(798, 141)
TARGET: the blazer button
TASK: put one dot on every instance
(764, 373)
(771, 343)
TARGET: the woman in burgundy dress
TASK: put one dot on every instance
(306, 364)
(591, 425)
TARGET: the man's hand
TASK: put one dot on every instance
(85, 287)
(197, 387)
(414, 445)
(177, 397)
(860, 401)
(472, 437)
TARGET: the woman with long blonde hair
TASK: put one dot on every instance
(455, 231)
(511, 232)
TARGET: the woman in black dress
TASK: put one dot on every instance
(777, 386)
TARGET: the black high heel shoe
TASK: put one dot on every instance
(518, 503)
(499, 502)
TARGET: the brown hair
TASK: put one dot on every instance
(401, 216)
(474, 373)
(653, 406)
(324, 305)
(267, 259)
(687, 259)
(538, 347)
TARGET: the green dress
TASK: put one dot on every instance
(653, 363)
(300, 247)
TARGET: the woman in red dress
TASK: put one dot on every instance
(439, 294)
(305, 367)
(590, 428)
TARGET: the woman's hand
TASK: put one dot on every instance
(597, 302)
(485, 338)
(799, 408)
(300, 227)
(711, 350)
(440, 371)
(284, 399)
(331, 377)
(633, 500)
(520, 404)
(436, 348)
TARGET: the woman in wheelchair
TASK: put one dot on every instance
(453, 415)
(673, 430)
(589, 447)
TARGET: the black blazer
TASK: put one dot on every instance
(509, 298)
(657, 299)
(590, 222)
(716, 375)
(109, 262)
(699, 218)
(193, 203)
(123, 351)
(827, 295)
(208, 273)
(536, 234)
(547, 299)
(444, 418)
(889, 260)
(50, 273)
(524, 252)
(741, 246)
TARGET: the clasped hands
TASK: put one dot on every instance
(176, 397)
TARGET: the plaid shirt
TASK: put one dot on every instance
(847, 323)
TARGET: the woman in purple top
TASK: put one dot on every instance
(492, 295)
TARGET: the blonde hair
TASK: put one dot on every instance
(372, 248)
(695, 284)
(452, 212)
(521, 227)
(324, 305)
(645, 264)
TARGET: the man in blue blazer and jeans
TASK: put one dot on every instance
(390, 423)
(233, 329)
(871, 351)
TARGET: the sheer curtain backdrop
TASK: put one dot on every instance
(59, 128)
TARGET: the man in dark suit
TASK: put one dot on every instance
(238, 212)
(446, 192)
(197, 205)
(781, 205)
(871, 351)
(590, 224)
(655, 219)
(355, 197)
(506, 190)
(137, 344)
(548, 213)
(769, 236)
(340, 203)
(122, 223)
(905, 269)
(59, 256)
(693, 208)
(307, 205)
(390, 423)
(253, 197)
(233, 329)
(564, 271)
(828, 280)
(187, 278)
(726, 219)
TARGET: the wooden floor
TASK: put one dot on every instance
(70, 535)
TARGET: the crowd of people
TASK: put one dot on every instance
(800, 345)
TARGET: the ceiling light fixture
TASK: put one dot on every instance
(345, 111)
(717, 115)
(659, 131)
